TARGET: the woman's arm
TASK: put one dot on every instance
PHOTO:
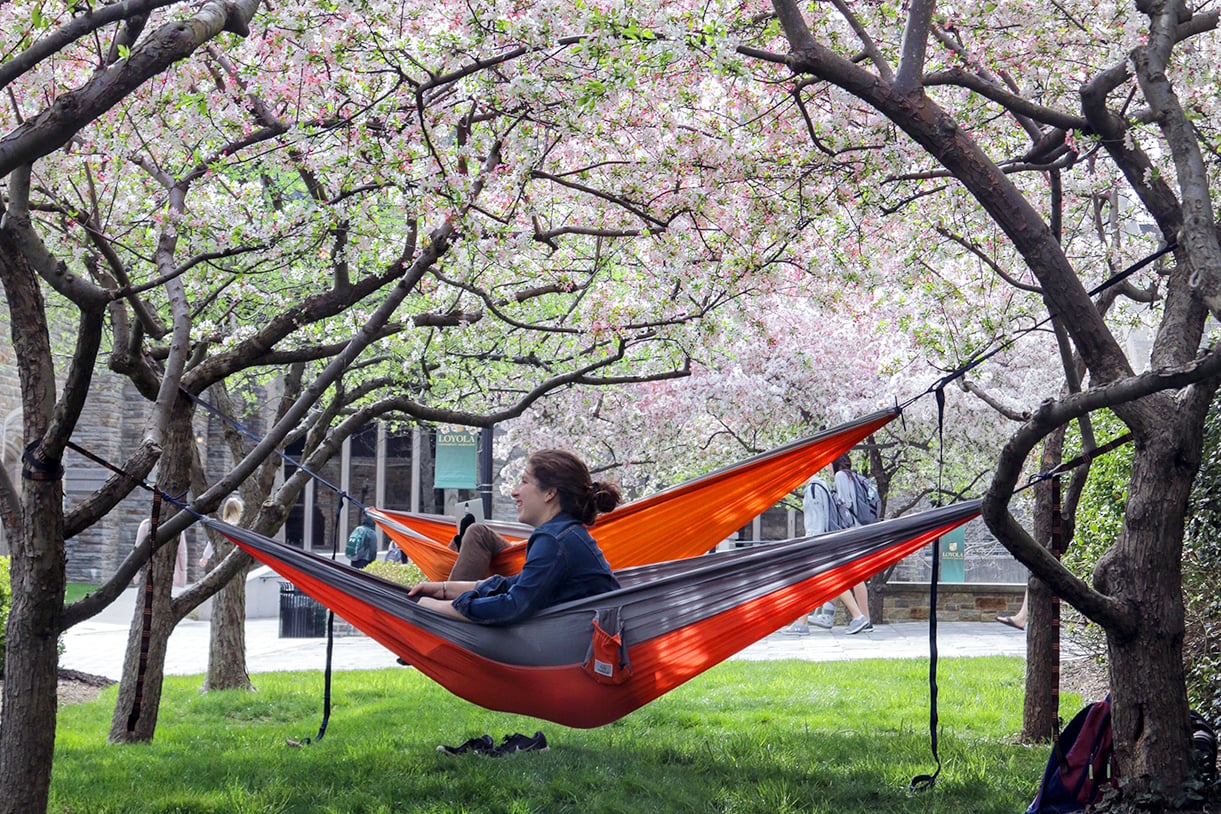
(448, 590)
(441, 606)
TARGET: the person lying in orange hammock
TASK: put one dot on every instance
(557, 496)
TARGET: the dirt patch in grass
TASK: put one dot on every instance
(76, 687)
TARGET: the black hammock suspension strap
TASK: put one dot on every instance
(937, 388)
(146, 618)
(330, 614)
(985, 354)
(926, 781)
(145, 635)
(237, 425)
(330, 640)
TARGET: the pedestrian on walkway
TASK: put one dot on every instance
(822, 513)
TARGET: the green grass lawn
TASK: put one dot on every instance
(77, 590)
(770, 737)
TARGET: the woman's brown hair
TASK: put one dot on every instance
(580, 495)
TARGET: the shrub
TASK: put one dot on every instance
(1099, 520)
(1201, 559)
(6, 592)
(403, 573)
(1100, 516)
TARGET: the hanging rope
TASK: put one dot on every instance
(146, 620)
(927, 781)
(258, 440)
(1079, 460)
(985, 354)
(330, 642)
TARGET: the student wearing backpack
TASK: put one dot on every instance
(822, 514)
(860, 508)
(362, 543)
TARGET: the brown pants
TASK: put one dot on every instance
(479, 545)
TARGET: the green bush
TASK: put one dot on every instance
(1201, 559)
(6, 592)
(402, 573)
(1099, 520)
(1100, 516)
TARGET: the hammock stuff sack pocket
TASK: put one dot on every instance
(606, 661)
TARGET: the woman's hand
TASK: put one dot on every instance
(436, 590)
(443, 607)
(447, 590)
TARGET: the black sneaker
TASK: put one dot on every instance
(482, 745)
(518, 742)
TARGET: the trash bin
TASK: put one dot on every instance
(300, 616)
(953, 555)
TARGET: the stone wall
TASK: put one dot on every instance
(956, 602)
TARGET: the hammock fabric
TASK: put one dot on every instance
(682, 521)
(678, 618)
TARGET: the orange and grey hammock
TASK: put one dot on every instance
(682, 521)
(590, 662)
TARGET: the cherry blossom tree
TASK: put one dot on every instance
(435, 217)
(981, 107)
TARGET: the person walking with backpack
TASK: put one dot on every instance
(822, 513)
(858, 502)
(362, 543)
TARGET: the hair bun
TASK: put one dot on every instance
(605, 496)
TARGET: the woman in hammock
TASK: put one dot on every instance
(559, 498)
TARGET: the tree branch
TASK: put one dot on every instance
(71, 111)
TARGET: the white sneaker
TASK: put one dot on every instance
(822, 620)
(860, 623)
(796, 629)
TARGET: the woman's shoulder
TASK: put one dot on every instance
(562, 526)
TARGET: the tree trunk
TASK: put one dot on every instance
(135, 714)
(227, 636)
(1040, 709)
(1143, 571)
(31, 668)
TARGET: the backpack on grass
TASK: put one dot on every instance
(1204, 740)
(1081, 764)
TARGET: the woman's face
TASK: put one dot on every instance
(535, 505)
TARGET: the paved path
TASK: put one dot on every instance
(97, 646)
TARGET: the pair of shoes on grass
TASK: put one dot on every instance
(860, 624)
(483, 745)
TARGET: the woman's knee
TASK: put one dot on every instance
(484, 538)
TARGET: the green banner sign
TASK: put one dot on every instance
(457, 459)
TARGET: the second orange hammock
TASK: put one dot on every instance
(672, 524)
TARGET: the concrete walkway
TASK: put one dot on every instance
(97, 645)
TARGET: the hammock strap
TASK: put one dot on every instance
(927, 781)
(283, 455)
(1079, 460)
(330, 633)
(146, 620)
(1057, 550)
(985, 354)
